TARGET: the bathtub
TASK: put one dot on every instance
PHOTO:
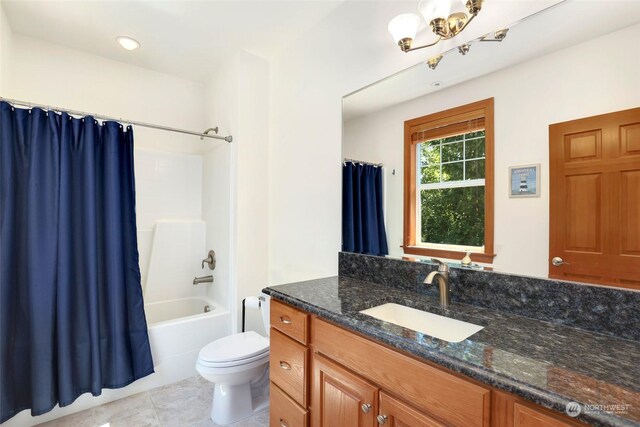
(163, 311)
(179, 328)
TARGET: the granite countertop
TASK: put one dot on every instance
(546, 363)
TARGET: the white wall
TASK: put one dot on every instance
(565, 85)
(238, 97)
(50, 74)
(308, 82)
(6, 37)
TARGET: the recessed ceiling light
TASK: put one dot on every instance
(437, 84)
(127, 42)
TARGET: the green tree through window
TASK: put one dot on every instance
(451, 190)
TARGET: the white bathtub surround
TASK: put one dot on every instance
(185, 403)
(168, 188)
(175, 259)
(216, 212)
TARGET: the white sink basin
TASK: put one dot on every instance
(441, 327)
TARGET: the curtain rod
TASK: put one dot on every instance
(132, 122)
(362, 162)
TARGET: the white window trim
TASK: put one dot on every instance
(442, 185)
(450, 184)
(446, 247)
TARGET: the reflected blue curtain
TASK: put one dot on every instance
(362, 216)
(71, 311)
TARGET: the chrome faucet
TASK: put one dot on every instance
(442, 275)
(203, 279)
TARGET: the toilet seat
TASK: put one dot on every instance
(234, 350)
(242, 362)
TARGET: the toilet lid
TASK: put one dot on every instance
(235, 347)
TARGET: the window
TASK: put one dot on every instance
(449, 183)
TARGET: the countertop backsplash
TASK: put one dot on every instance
(606, 310)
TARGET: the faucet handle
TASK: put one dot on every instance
(442, 266)
(210, 260)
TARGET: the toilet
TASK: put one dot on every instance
(238, 365)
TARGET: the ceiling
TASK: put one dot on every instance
(189, 39)
(554, 27)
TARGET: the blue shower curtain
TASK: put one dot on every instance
(362, 216)
(71, 311)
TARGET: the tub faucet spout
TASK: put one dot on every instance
(203, 279)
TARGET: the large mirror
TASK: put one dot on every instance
(566, 61)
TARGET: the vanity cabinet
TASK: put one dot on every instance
(396, 413)
(328, 376)
(288, 366)
(510, 411)
(343, 398)
(340, 397)
(523, 416)
(432, 392)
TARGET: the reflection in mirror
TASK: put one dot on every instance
(551, 68)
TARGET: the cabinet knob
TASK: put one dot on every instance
(283, 423)
(366, 407)
(284, 365)
(285, 320)
(381, 419)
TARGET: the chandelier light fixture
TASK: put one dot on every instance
(446, 21)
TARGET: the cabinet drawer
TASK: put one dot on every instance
(290, 321)
(284, 412)
(288, 361)
(443, 395)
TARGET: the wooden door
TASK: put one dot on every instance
(341, 398)
(396, 413)
(595, 199)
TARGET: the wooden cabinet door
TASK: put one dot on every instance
(524, 416)
(395, 413)
(340, 398)
(594, 191)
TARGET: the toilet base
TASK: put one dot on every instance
(233, 403)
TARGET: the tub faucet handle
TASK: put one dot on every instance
(210, 260)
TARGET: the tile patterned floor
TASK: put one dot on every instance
(183, 404)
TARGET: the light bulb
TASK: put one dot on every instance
(127, 42)
(432, 9)
(404, 26)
